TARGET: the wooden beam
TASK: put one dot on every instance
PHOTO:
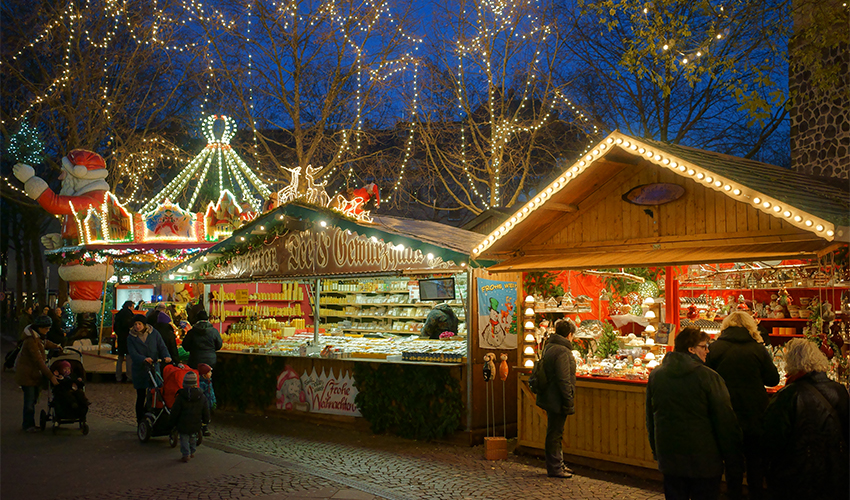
(560, 207)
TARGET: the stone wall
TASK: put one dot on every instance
(820, 120)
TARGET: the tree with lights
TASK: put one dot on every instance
(312, 82)
(494, 119)
(708, 74)
(110, 77)
(98, 75)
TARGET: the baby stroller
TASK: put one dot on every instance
(159, 401)
(60, 413)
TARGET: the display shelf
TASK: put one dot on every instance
(338, 292)
(789, 335)
(378, 330)
(261, 300)
(242, 316)
(703, 288)
(373, 304)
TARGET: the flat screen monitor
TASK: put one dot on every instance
(437, 289)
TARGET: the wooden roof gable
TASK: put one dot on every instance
(581, 215)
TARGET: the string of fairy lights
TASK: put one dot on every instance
(495, 18)
(219, 154)
(136, 166)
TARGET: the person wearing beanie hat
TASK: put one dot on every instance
(202, 341)
(145, 348)
(188, 414)
(31, 367)
(69, 399)
(205, 371)
(121, 325)
(190, 380)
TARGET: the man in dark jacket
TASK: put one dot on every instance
(202, 341)
(692, 427)
(558, 397)
(189, 413)
(121, 324)
(741, 359)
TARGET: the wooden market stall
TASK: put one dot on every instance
(639, 203)
(304, 295)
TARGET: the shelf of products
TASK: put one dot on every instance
(783, 312)
(392, 349)
(381, 305)
(235, 305)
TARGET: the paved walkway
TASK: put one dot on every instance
(267, 458)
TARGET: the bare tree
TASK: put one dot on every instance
(312, 80)
(491, 116)
(693, 72)
(112, 77)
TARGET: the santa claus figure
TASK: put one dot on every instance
(364, 197)
(83, 186)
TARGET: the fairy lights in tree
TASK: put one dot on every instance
(220, 155)
(505, 96)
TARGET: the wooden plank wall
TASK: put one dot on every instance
(604, 216)
(609, 423)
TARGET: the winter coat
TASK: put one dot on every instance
(55, 334)
(689, 417)
(209, 392)
(806, 440)
(560, 368)
(190, 411)
(440, 319)
(202, 341)
(747, 368)
(166, 331)
(121, 325)
(31, 363)
(151, 347)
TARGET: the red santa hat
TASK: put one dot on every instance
(84, 164)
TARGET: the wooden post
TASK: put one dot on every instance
(103, 305)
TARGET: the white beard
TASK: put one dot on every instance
(74, 186)
(69, 185)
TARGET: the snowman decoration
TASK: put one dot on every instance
(83, 186)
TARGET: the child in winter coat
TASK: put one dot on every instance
(189, 413)
(71, 401)
(205, 371)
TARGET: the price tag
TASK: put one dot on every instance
(241, 295)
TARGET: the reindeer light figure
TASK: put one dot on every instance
(290, 192)
(316, 193)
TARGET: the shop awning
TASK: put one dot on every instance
(578, 259)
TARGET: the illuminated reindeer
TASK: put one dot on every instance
(316, 193)
(290, 192)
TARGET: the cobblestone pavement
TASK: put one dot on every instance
(383, 466)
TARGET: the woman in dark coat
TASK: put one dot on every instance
(145, 347)
(558, 396)
(202, 341)
(806, 430)
(166, 329)
(56, 335)
(739, 356)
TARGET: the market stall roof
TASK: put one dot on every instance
(641, 202)
(447, 247)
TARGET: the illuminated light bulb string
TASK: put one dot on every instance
(503, 20)
(220, 151)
